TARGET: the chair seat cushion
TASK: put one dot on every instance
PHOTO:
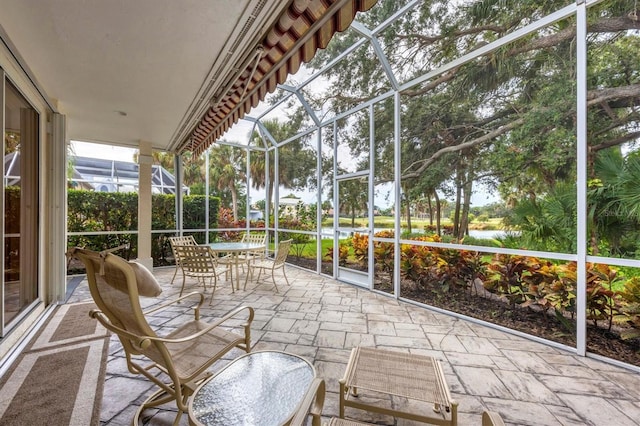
(147, 284)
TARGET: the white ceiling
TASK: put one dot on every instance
(157, 61)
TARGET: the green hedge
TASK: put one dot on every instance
(90, 211)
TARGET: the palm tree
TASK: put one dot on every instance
(226, 168)
(296, 161)
(193, 170)
(165, 160)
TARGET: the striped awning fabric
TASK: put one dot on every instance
(305, 27)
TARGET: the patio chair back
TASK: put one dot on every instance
(186, 240)
(492, 418)
(311, 405)
(257, 238)
(198, 262)
(253, 238)
(282, 253)
(114, 288)
(278, 262)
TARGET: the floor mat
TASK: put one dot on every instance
(59, 377)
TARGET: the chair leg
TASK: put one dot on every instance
(160, 397)
(285, 275)
(246, 279)
(215, 283)
(174, 274)
(273, 277)
(184, 278)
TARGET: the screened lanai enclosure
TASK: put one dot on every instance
(107, 175)
(475, 157)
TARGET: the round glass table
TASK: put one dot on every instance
(234, 249)
(259, 388)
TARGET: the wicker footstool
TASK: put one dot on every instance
(411, 376)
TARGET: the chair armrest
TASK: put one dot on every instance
(311, 404)
(492, 418)
(142, 341)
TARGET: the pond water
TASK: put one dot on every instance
(487, 234)
(476, 233)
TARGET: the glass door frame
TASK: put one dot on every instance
(30, 290)
(342, 273)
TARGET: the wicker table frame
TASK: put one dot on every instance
(400, 374)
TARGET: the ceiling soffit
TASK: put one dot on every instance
(304, 27)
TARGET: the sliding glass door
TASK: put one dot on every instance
(20, 204)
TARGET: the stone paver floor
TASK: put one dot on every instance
(528, 383)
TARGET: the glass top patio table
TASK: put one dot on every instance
(259, 388)
(235, 248)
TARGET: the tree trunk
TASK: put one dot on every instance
(408, 205)
(464, 220)
(438, 213)
(456, 216)
(234, 201)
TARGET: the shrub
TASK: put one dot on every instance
(629, 313)
(343, 253)
(360, 244)
(601, 298)
(505, 276)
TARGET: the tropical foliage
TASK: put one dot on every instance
(523, 282)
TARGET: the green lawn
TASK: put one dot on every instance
(309, 249)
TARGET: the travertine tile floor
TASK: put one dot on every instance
(528, 383)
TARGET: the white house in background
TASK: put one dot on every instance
(120, 176)
(102, 175)
(289, 205)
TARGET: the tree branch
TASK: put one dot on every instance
(428, 40)
(456, 148)
(449, 75)
(597, 96)
(606, 25)
(614, 142)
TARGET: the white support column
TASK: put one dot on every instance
(56, 185)
(397, 130)
(581, 128)
(144, 204)
(319, 200)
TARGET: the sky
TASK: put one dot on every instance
(480, 197)
(107, 152)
